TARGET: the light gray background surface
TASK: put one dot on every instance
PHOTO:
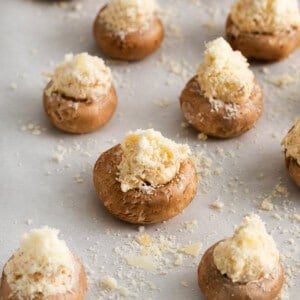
(34, 36)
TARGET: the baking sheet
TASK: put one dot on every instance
(46, 175)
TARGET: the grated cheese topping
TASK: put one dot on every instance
(122, 17)
(82, 77)
(149, 160)
(250, 254)
(224, 74)
(292, 142)
(265, 16)
(42, 265)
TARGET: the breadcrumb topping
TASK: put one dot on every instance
(122, 17)
(292, 142)
(149, 160)
(224, 74)
(265, 16)
(82, 77)
(42, 265)
(250, 254)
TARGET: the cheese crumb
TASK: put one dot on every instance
(42, 264)
(144, 240)
(267, 204)
(81, 77)
(265, 16)
(250, 254)
(192, 250)
(202, 137)
(122, 17)
(149, 160)
(142, 262)
(291, 142)
(109, 282)
(282, 80)
(224, 74)
(217, 204)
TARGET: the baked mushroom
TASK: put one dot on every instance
(291, 144)
(128, 30)
(264, 30)
(147, 179)
(223, 100)
(43, 268)
(244, 266)
(80, 96)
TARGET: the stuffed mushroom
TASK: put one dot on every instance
(80, 97)
(43, 268)
(264, 30)
(291, 144)
(147, 179)
(128, 30)
(224, 99)
(244, 266)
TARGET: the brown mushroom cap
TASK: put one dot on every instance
(293, 169)
(135, 45)
(198, 112)
(87, 117)
(216, 286)
(262, 46)
(135, 206)
(78, 293)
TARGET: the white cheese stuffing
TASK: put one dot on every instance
(43, 264)
(82, 77)
(291, 142)
(265, 16)
(122, 17)
(250, 254)
(224, 74)
(149, 160)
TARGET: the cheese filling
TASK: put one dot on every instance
(292, 143)
(82, 77)
(265, 16)
(224, 74)
(149, 160)
(42, 265)
(122, 17)
(250, 254)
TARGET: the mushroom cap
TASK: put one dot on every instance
(198, 112)
(78, 293)
(216, 286)
(261, 46)
(136, 207)
(293, 169)
(135, 46)
(87, 117)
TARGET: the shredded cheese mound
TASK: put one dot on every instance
(224, 74)
(42, 265)
(250, 254)
(292, 142)
(122, 17)
(82, 77)
(149, 160)
(265, 16)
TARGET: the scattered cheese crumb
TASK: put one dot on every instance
(192, 250)
(267, 204)
(109, 282)
(217, 204)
